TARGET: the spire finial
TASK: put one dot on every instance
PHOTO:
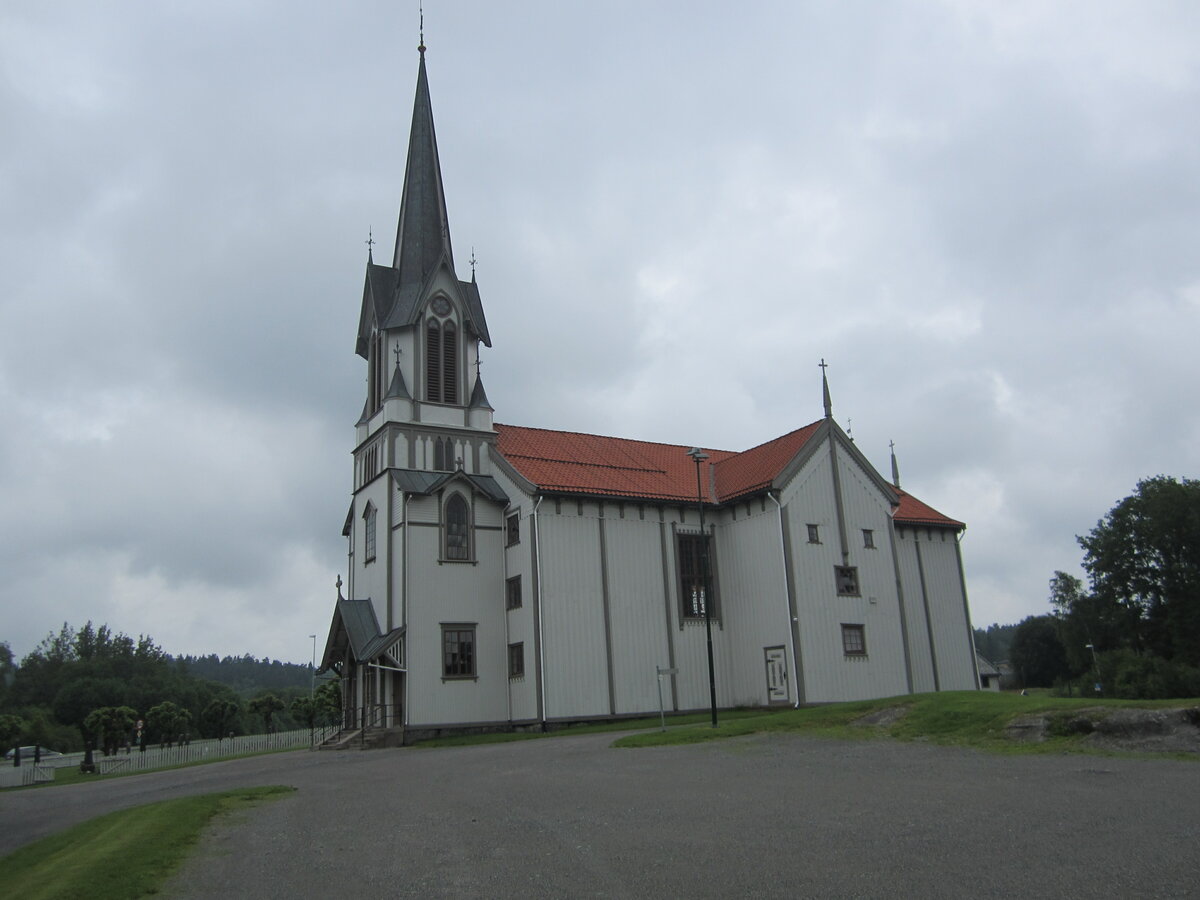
(825, 389)
(339, 586)
(421, 46)
(396, 350)
(850, 429)
(895, 465)
(473, 261)
(370, 242)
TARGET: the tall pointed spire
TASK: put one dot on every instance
(423, 235)
(895, 465)
(825, 390)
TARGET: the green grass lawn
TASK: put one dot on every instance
(964, 718)
(122, 855)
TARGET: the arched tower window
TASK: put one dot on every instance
(449, 364)
(369, 532)
(433, 362)
(458, 517)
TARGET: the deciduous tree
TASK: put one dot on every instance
(1144, 557)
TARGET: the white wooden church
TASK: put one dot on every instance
(506, 576)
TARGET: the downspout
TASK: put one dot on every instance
(787, 602)
(537, 578)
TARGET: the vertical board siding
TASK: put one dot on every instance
(753, 602)
(918, 631)
(639, 635)
(455, 592)
(573, 616)
(829, 674)
(518, 560)
(951, 632)
(370, 579)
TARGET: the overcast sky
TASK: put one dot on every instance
(985, 216)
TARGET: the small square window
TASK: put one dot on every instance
(814, 534)
(847, 580)
(512, 593)
(516, 660)
(854, 640)
(512, 530)
(869, 538)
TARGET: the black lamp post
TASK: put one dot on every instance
(705, 589)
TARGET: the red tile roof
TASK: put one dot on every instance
(756, 468)
(572, 463)
(913, 512)
(591, 464)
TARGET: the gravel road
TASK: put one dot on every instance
(766, 816)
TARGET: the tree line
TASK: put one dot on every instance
(93, 686)
(1133, 630)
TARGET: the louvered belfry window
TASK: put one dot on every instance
(457, 523)
(449, 364)
(433, 363)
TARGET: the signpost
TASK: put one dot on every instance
(662, 713)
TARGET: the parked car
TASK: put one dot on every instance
(27, 753)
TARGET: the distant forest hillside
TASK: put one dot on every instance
(247, 675)
(993, 643)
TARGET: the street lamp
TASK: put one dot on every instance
(705, 588)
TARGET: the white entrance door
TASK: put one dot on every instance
(777, 684)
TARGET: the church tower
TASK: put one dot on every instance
(419, 330)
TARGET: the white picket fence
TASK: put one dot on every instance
(155, 757)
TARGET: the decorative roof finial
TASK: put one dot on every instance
(825, 389)
(370, 242)
(850, 430)
(473, 261)
(339, 586)
(421, 46)
(396, 350)
(895, 465)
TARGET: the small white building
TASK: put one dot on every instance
(505, 576)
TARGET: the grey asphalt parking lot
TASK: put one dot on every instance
(766, 816)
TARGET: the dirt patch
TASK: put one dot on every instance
(882, 718)
(1149, 730)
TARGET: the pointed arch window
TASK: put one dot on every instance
(369, 535)
(439, 455)
(433, 362)
(458, 529)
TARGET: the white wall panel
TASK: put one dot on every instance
(458, 592)
(753, 596)
(636, 611)
(951, 632)
(576, 663)
(829, 674)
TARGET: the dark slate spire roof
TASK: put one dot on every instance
(398, 388)
(479, 398)
(423, 235)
